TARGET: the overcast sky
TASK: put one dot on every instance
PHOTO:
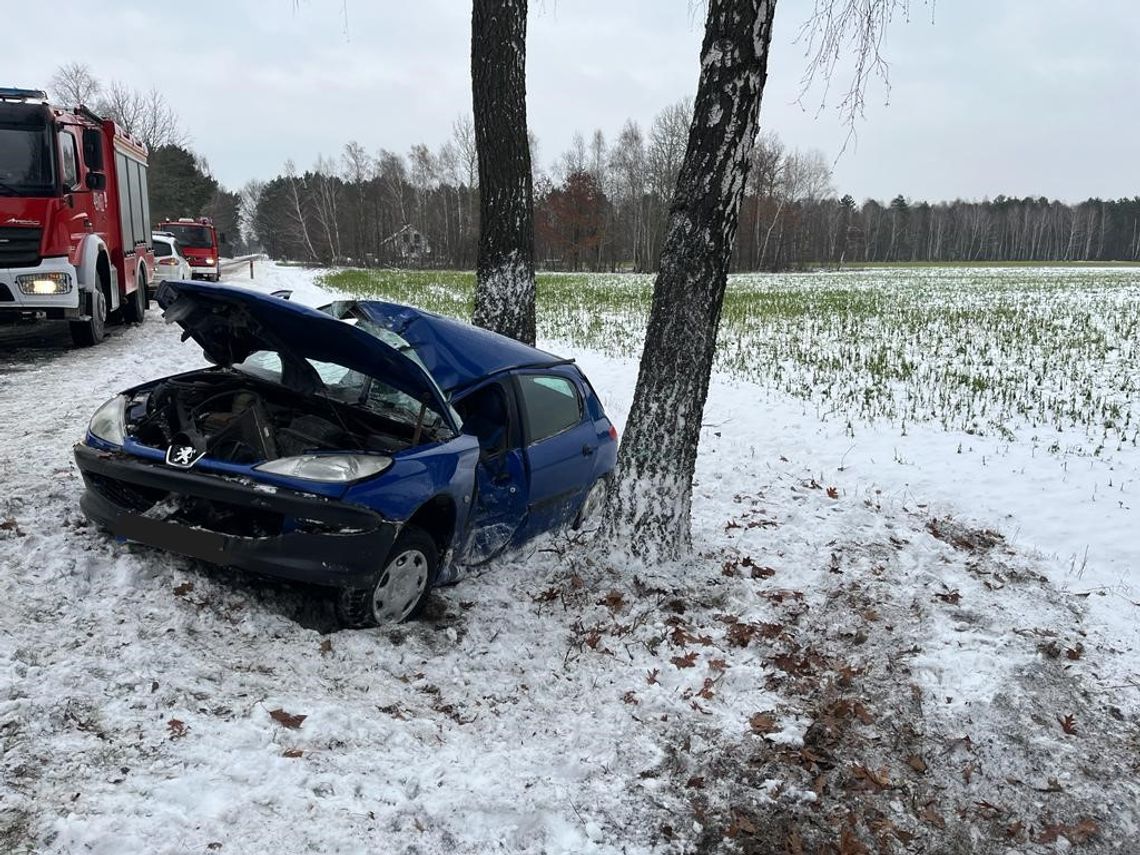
(1021, 97)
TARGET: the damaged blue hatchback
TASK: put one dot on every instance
(366, 446)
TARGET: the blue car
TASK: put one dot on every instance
(366, 446)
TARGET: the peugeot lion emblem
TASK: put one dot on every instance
(182, 456)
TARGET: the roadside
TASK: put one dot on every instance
(837, 667)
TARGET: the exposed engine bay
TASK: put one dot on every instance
(232, 417)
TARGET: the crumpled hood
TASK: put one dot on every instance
(231, 323)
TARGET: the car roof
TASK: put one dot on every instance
(457, 354)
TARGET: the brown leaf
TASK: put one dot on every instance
(614, 601)
(832, 493)
(968, 771)
(651, 676)
(183, 589)
(949, 596)
(697, 782)
(292, 753)
(879, 779)
(177, 728)
(686, 661)
(718, 665)
(11, 525)
(326, 646)
(1075, 653)
(1082, 832)
(287, 719)
(630, 698)
(916, 762)
(1068, 724)
(929, 815)
(763, 722)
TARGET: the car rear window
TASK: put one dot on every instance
(552, 405)
(162, 249)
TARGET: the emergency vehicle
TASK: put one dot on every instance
(199, 242)
(75, 239)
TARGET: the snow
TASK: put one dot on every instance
(845, 599)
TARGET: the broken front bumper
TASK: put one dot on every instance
(272, 531)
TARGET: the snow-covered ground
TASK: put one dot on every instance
(877, 648)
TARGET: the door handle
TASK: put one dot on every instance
(587, 450)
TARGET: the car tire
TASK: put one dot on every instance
(400, 589)
(94, 329)
(134, 312)
(589, 516)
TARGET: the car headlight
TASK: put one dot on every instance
(108, 423)
(44, 284)
(329, 468)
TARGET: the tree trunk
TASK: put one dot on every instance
(648, 507)
(504, 290)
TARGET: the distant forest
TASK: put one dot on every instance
(602, 207)
(598, 206)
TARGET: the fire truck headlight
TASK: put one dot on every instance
(44, 284)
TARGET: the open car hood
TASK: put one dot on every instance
(231, 323)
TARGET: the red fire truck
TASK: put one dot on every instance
(74, 217)
(199, 242)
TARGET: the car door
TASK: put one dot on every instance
(499, 506)
(561, 442)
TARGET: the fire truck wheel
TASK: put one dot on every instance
(91, 331)
(134, 312)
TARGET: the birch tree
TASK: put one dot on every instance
(648, 505)
(504, 290)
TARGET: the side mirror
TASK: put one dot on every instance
(93, 149)
(96, 181)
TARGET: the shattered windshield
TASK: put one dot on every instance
(348, 387)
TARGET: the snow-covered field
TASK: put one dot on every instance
(919, 640)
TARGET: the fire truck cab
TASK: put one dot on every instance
(200, 244)
(74, 217)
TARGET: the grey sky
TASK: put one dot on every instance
(1006, 96)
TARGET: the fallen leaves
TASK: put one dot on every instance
(1068, 724)
(285, 719)
(948, 595)
(183, 589)
(874, 779)
(686, 661)
(177, 728)
(1082, 832)
(763, 722)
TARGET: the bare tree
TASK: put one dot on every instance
(648, 506)
(649, 503)
(250, 198)
(297, 213)
(504, 291)
(73, 84)
(146, 115)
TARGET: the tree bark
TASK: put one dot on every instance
(648, 509)
(504, 290)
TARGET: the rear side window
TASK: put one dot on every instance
(162, 249)
(552, 405)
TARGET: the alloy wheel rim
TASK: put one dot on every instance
(400, 587)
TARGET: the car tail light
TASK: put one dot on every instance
(613, 433)
(168, 262)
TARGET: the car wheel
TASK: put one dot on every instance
(134, 312)
(91, 331)
(400, 589)
(590, 514)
